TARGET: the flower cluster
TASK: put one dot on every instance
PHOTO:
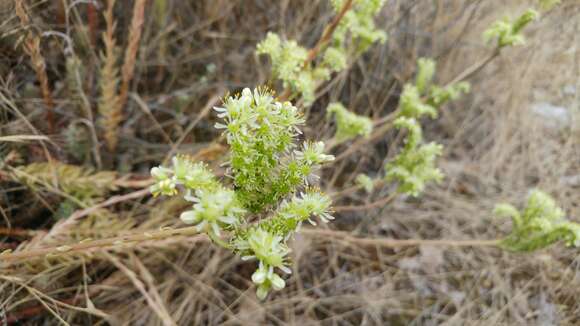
(509, 32)
(267, 167)
(291, 214)
(192, 175)
(266, 241)
(263, 162)
(288, 64)
(311, 203)
(313, 154)
(540, 224)
(440, 95)
(292, 65)
(358, 23)
(271, 253)
(424, 97)
(414, 166)
(213, 210)
(411, 105)
(365, 182)
(349, 125)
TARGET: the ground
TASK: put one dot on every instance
(515, 131)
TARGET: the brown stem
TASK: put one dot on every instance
(355, 188)
(29, 312)
(376, 204)
(192, 230)
(85, 246)
(17, 232)
(332, 235)
(322, 41)
(328, 31)
(474, 68)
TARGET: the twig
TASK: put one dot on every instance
(474, 68)
(347, 191)
(324, 38)
(328, 31)
(151, 296)
(85, 246)
(332, 235)
(18, 232)
(379, 203)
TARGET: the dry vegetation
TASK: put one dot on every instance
(166, 63)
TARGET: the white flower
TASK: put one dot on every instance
(265, 278)
(313, 153)
(212, 209)
(268, 248)
(193, 175)
(164, 185)
(312, 203)
(271, 252)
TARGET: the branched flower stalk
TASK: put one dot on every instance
(350, 33)
(268, 170)
(539, 224)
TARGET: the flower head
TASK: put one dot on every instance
(412, 106)
(313, 153)
(193, 175)
(266, 279)
(348, 124)
(540, 224)
(164, 183)
(271, 252)
(415, 165)
(213, 210)
(508, 32)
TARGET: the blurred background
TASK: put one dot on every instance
(518, 129)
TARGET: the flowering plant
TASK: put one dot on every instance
(508, 32)
(539, 224)
(267, 169)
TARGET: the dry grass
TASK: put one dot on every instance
(497, 148)
(110, 107)
(31, 46)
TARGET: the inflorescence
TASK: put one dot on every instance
(540, 224)
(268, 170)
(292, 64)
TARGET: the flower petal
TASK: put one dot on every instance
(190, 217)
(277, 282)
(259, 276)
